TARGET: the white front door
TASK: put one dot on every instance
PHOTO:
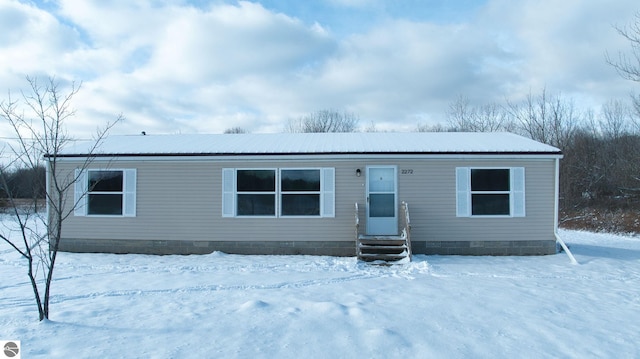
(382, 213)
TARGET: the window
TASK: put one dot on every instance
(256, 192)
(490, 191)
(105, 193)
(287, 192)
(300, 192)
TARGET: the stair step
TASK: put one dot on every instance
(382, 242)
(400, 246)
(370, 257)
(383, 250)
(381, 237)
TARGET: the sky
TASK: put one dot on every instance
(178, 66)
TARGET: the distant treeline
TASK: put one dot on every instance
(600, 170)
(21, 183)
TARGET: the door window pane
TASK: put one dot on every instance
(382, 205)
(381, 180)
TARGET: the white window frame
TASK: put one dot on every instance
(516, 192)
(327, 192)
(128, 193)
(274, 192)
(282, 193)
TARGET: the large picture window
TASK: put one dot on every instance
(105, 192)
(490, 191)
(286, 192)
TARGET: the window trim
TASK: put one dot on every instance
(326, 192)
(282, 193)
(464, 201)
(274, 193)
(128, 193)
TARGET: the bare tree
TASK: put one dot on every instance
(41, 136)
(236, 129)
(371, 127)
(324, 121)
(486, 118)
(635, 99)
(459, 114)
(438, 127)
(545, 118)
(628, 66)
(616, 119)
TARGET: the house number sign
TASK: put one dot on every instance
(407, 171)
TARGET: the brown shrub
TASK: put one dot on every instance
(602, 220)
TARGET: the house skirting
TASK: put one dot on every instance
(485, 248)
(326, 248)
(329, 248)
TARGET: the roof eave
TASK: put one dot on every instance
(258, 154)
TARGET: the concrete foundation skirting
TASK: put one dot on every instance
(485, 248)
(332, 248)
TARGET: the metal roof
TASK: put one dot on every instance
(312, 143)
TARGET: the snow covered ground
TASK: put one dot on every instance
(233, 306)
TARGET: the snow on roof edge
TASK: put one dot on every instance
(313, 143)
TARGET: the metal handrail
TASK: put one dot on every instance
(357, 231)
(407, 227)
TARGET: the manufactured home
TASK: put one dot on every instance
(312, 193)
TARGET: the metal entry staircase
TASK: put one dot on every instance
(385, 249)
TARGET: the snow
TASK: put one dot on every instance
(220, 305)
(315, 143)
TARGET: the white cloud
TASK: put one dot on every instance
(229, 42)
(404, 69)
(31, 41)
(170, 67)
(561, 45)
(202, 66)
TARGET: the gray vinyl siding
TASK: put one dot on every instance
(182, 200)
(430, 192)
